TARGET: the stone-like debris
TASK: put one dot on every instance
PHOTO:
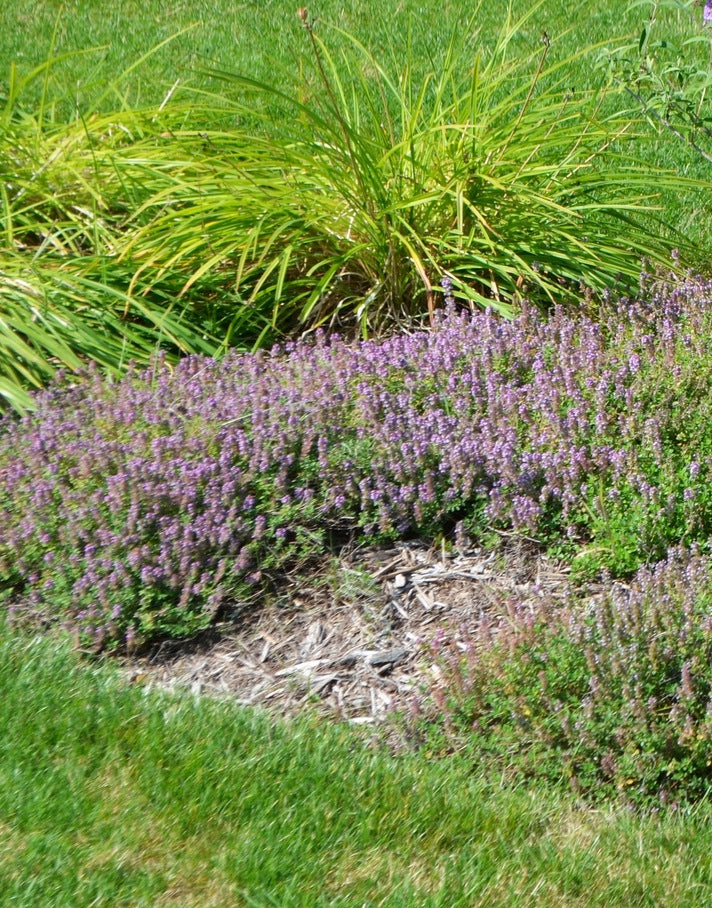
(352, 639)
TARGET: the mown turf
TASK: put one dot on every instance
(252, 37)
(115, 796)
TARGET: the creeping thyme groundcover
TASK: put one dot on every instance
(152, 504)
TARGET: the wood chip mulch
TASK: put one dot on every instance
(352, 640)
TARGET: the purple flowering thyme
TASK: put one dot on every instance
(613, 693)
(151, 505)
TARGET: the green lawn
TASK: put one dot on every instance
(114, 796)
(250, 37)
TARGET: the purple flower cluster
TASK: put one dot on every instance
(615, 693)
(144, 506)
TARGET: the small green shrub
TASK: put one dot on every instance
(666, 71)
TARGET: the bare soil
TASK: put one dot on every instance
(354, 640)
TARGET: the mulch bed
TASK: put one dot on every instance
(353, 640)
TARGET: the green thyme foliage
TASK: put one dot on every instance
(613, 695)
(663, 495)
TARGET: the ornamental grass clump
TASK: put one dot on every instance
(65, 299)
(377, 180)
(613, 695)
(153, 504)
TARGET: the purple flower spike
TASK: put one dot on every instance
(707, 15)
(446, 283)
